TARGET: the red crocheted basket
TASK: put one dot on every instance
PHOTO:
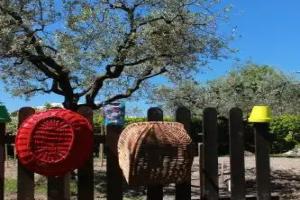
(54, 142)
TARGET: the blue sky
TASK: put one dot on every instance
(268, 32)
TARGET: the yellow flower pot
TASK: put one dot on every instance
(260, 114)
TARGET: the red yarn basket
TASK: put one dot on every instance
(54, 142)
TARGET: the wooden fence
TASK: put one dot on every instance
(58, 187)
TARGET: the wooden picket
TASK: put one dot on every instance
(113, 172)
(210, 131)
(25, 177)
(155, 192)
(237, 165)
(2, 159)
(58, 187)
(262, 149)
(86, 173)
(183, 191)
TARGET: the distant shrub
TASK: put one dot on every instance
(130, 120)
(285, 131)
(12, 126)
(98, 120)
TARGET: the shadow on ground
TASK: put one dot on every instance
(135, 193)
(283, 182)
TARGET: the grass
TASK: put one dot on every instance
(10, 185)
(40, 186)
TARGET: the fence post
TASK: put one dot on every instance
(86, 173)
(114, 173)
(25, 185)
(262, 151)
(210, 132)
(155, 192)
(201, 167)
(2, 159)
(59, 187)
(237, 166)
(183, 191)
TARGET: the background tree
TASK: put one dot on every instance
(254, 85)
(188, 93)
(243, 87)
(103, 50)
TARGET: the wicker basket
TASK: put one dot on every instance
(54, 142)
(153, 153)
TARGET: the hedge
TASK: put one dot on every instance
(285, 131)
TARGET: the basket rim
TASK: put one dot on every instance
(35, 126)
(177, 124)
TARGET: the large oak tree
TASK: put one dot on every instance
(100, 51)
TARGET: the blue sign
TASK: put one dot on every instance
(114, 114)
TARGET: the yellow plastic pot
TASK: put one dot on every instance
(260, 114)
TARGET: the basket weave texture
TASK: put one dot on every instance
(152, 153)
(54, 142)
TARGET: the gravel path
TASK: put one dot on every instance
(285, 175)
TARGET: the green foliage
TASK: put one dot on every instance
(99, 120)
(12, 126)
(285, 130)
(40, 186)
(130, 120)
(255, 85)
(244, 87)
(48, 105)
(10, 186)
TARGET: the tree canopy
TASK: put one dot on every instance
(103, 50)
(244, 87)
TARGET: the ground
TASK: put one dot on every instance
(285, 173)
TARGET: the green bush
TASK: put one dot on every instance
(285, 132)
(99, 120)
(130, 120)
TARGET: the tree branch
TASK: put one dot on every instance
(37, 90)
(54, 88)
(45, 63)
(114, 70)
(146, 75)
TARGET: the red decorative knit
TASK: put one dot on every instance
(54, 142)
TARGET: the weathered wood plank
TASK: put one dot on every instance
(59, 187)
(113, 171)
(201, 167)
(262, 155)
(25, 182)
(183, 191)
(155, 192)
(210, 131)
(86, 173)
(2, 160)
(237, 163)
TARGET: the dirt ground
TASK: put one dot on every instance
(285, 176)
